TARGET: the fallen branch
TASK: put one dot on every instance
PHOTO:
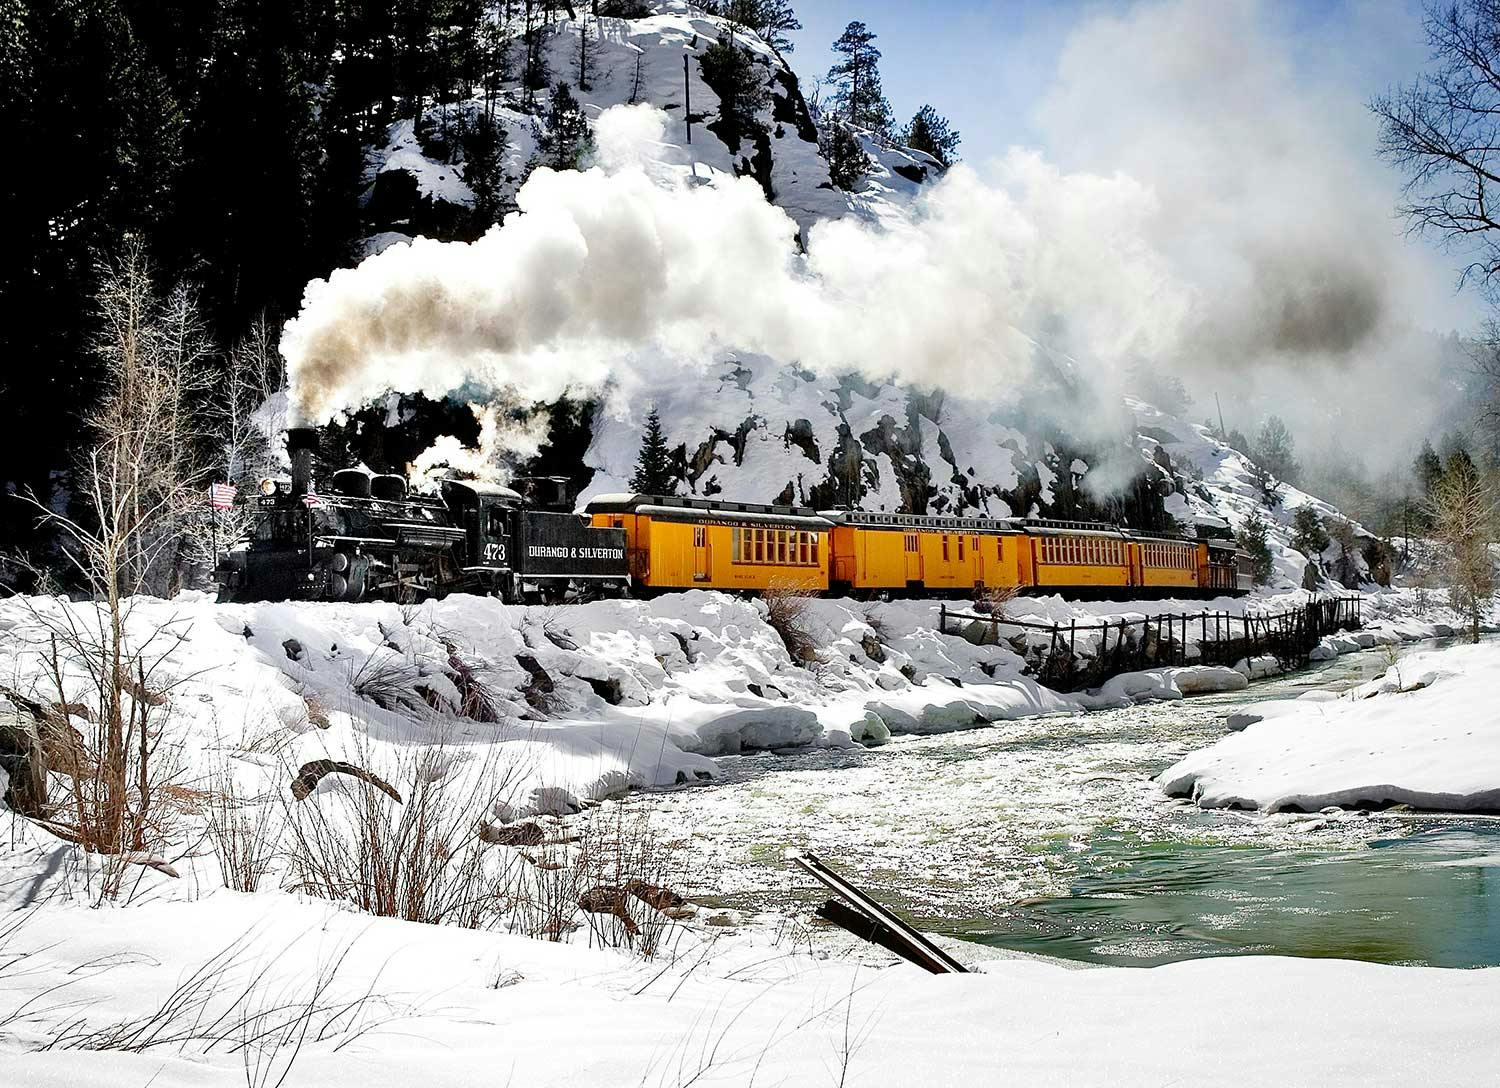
(312, 773)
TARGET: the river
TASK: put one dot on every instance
(1048, 836)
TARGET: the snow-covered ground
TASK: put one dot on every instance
(439, 1006)
(562, 706)
(1425, 734)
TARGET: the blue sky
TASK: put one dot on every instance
(986, 65)
(980, 64)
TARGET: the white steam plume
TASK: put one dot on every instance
(503, 443)
(1248, 121)
(631, 257)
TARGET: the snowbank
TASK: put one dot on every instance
(446, 1003)
(1424, 734)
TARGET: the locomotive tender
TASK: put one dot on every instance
(367, 537)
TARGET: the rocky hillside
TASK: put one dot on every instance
(418, 182)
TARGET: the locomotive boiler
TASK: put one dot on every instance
(365, 536)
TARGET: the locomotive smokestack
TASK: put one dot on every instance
(300, 443)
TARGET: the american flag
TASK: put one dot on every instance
(221, 496)
(310, 498)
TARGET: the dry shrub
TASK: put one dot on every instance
(633, 873)
(243, 834)
(995, 600)
(788, 612)
(547, 903)
(477, 700)
(116, 784)
(424, 860)
(317, 713)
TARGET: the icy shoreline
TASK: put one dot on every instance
(597, 698)
(1424, 734)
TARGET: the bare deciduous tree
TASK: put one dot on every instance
(1444, 131)
(1463, 513)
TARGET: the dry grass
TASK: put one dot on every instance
(788, 612)
(388, 680)
(231, 1003)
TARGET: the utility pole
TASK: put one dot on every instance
(687, 99)
(1223, 434)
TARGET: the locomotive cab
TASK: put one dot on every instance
(487, 515)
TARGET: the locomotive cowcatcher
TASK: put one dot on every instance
(366, 536)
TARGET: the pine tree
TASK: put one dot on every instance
(776, 21)
(1255, 538)
(929, 131)
(583, 66)
(847, 161)
(1427, 468)
(1274, 450)
(653, 468)
(731, 73)
(1266, 484)
(1309, 535)
(535, 70)
(859, 98)
(568, 138)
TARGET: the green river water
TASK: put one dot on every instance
(1048, 836)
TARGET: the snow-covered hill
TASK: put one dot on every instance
(753, 428)
(417, 186)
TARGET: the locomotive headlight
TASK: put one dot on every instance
(268, 486)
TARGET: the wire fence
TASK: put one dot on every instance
(1072, 656)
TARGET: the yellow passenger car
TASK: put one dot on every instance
(1068, 555)
(879, 552)
(1167, 563)
(680, 543)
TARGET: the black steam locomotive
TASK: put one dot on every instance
(366, 537)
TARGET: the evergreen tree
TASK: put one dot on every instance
(929, 131)
(1427, 468)
(654, 474)
(1274, 450)
(482, 169)
(568, 137)
(847, 161)
(1255, 538)
(1309, 535)
(731, 73)
(774, 22)
(1266, 484)
(583, 59)
(535, 71)
(858, 97)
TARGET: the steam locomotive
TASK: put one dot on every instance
(366, 536)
